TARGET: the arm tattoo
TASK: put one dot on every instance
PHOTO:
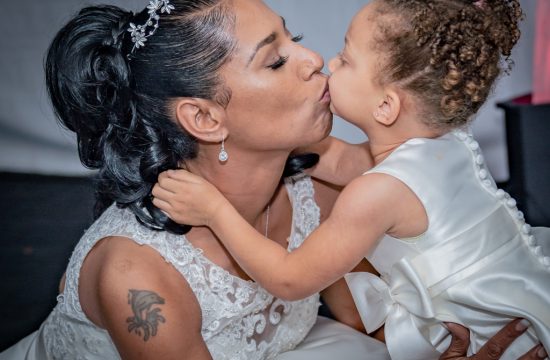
(145, 320)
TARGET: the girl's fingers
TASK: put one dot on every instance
(160, 193)
(172, 185)
(163, 205)
(184, 175)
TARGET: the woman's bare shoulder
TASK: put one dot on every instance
(132, 292)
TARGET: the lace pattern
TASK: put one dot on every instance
(241, 320)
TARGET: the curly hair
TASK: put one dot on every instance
(446, 53)
(119, 108)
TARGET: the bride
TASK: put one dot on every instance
(223, 89)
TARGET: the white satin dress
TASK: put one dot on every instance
(478, 264)
(240, 319)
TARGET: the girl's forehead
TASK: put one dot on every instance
(362, 28)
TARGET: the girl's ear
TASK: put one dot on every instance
(203, 119)
(387, 110)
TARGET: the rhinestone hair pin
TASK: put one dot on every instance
(140, 33)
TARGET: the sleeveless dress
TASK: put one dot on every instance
(241, 320)
(478, 263)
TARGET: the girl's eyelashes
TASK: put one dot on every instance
(280, 62)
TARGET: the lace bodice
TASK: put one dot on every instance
(241, 320)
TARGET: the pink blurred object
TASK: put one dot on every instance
(541, 66)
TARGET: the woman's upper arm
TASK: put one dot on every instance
(147, 307)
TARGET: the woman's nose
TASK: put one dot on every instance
(313, 64)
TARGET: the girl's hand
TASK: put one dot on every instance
(187, 198)
(495, 346)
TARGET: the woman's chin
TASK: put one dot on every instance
(326, 128)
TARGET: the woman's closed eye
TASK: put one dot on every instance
(280, 62)
(298, 38)
(283, 59)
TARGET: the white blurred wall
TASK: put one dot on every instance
(32, 141)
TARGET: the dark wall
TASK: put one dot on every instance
(41, 219)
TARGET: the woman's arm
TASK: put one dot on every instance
(146, 306)
(339, 162)
(366, 209)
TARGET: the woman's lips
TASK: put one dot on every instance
(325, 98)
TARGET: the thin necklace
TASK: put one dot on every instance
(267, 219)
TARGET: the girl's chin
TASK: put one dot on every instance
(333, 109)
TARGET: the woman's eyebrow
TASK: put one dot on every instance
(268, 40)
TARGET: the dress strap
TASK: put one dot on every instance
(306, 212)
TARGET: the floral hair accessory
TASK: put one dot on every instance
(140, 33)
(480, 4)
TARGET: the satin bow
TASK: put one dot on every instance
(395, 303)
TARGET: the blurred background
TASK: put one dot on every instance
(32, 142)
(46, 195)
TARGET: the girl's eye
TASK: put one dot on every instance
(341, 58)
(298, 38)
(280, 62)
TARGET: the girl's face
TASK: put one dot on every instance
(354, 88)
(279, 98)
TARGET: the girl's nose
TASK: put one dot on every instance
(333, 64)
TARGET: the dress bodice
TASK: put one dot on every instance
(240, 319)
(477, 264)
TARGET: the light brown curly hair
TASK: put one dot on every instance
(446, 53)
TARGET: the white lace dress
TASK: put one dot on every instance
(241, 320)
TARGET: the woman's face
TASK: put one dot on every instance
(279, 98)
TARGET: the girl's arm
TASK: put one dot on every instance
(361, 215)
(339, 162)
(337, 297)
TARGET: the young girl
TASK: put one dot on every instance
(449, 245)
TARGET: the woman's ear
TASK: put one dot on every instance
(203, 119)
(388, 109)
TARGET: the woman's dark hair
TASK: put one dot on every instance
(447, 53)
(118, 105)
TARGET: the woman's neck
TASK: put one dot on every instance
(248, 181)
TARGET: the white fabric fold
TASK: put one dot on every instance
(395, 303)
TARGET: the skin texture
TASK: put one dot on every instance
(276, 106)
